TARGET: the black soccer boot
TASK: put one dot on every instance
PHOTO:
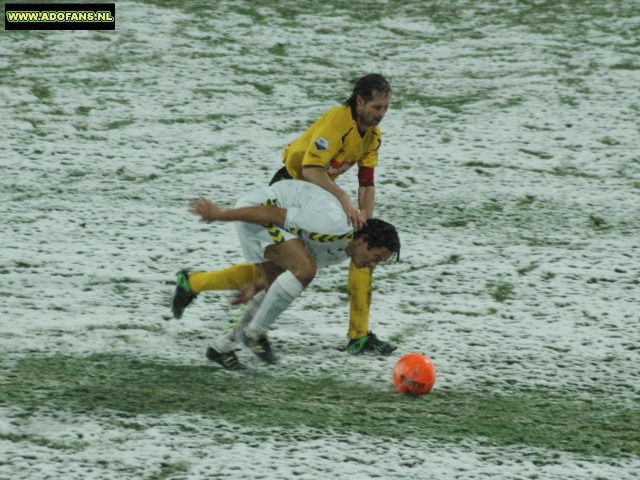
(182, 296)
(260, 346)
(370, 344)
(229, 360)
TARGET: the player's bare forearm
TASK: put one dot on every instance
(318, 176)
(366, 200)
(260, 215)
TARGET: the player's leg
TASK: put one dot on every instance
(223, 349)
(361, 340)
(189, 285)
(359, 290)
(300, 270)
(231, 278)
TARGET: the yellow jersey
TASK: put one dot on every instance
(334, 143)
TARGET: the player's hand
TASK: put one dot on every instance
(206, 209)
(354, 216)
(245, 293)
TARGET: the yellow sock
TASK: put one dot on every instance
(231, 278)
(359, 290)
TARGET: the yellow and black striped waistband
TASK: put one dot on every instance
(276, 233)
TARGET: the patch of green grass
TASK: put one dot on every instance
(479, 171)
(279, 49)
(589, 422)
(527, 200)
(44, 442)
(610, 142)
(493, 207)
(543, 242)
(452, 259)
(598, 223)
(529, 268)
(315, 307)
(102, 64)
(570, 101)
(42, 92)
(454, 224)
(626, 65)
(192, 334)
(466, 314)
(261, 87)
(455, 104)
(57, 308)
(129, 425)
(481, 164)
(119, 124)
(538, 129)
(168, 470)
(126, 326)
(21, 264)
(570, 172)
(541, 155)
(324, 62)
(501, 291)
(123, 280)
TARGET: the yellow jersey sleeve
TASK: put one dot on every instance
(333, 143)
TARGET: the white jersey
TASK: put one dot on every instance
(314, 216)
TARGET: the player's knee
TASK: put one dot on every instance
(305, 273)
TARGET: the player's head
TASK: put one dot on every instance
(368, 87)
(376, 242)
(370, 100)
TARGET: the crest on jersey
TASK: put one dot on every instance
(321, 144)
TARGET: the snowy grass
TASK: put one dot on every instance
(509, 164)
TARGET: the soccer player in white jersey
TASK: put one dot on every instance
(288, 230)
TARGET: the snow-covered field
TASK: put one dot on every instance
(510, 164)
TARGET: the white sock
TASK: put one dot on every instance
(228, 340)
(282, 292)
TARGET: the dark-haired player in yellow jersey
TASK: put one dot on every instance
(343, 137)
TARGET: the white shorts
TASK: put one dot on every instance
(254, 240)
(309, 208)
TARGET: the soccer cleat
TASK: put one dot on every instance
(182, 296)
(228, 360)
(260, 346)
(370, 344)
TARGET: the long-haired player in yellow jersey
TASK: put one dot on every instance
(343, 137)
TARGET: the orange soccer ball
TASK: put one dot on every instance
(414, 374)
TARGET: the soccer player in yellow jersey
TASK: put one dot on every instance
(343, 137)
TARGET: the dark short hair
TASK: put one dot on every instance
(379, 234)
(366, 86)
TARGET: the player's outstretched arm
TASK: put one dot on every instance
(261, 215)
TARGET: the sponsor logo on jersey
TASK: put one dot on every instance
(322, 144)
(335, 168)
